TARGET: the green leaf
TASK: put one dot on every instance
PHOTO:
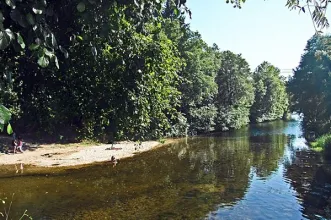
(81, 7)
(48, 53)
(10, 34)
(6, 37)
(43, 61)
(37, 11)
(33, 46)
(20, 40)
(9, 129)
(11, 3)
(176, 11)
(79, 37)
(5, 116)
(30, 19)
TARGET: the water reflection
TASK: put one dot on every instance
(236, 174)
(310, 176)
(19, 168)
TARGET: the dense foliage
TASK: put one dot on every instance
(271, 100)
(235, 91)
(121, 69)
(310, 86)
(5, 116)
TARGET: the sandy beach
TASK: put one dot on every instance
(72, 155)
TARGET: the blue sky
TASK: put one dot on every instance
(261, 30)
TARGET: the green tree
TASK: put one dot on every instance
(200, 64)
(199, 88)
(127, 69)
(271, 101)
(310, 85)
(33, 28)
(235, 92)
(40, 29)
(125, 83)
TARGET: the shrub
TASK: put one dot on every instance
(322, 142)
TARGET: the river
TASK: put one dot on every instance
(263, 171)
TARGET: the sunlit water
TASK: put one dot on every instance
(261, 172)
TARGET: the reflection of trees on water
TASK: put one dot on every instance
(185, 180)
(266, 152)
(275, 127)
(311, 178)
(232, 155)
(214, 163)
(228, 161)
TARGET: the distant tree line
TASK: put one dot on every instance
(133, 69)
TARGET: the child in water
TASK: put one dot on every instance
(113, 161)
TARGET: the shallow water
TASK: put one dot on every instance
(261, 172)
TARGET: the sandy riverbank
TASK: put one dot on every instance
(72, 155)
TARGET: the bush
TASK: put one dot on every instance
(203, 119)
(323, 142)
(179, 128)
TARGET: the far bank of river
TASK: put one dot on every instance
(58, 155)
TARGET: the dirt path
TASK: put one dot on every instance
(60, 155)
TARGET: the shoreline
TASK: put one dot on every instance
(56, 155)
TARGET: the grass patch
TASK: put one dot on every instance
(317, 149)
(321, 143)
(162, 140)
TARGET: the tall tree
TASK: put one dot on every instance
(125, 83)
(271, 101)
(310, 85)
(200, 64)
(235, 91)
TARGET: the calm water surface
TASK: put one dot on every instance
(260, 172)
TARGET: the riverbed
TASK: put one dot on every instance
(263, 171)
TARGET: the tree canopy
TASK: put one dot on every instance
(119, 70)
(310, 85)
(271, 101)
(43, 30)
(235, 91)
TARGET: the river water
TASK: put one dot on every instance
(263, 171)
